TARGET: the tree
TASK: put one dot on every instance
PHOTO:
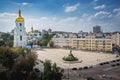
(52, 72)
(2, 43)
(6, 57)
(51, 43)
(17, 67)
(46, 38)
(44, 42)
(57, 72)
(47, 70)
(23, 66)
(8, 39)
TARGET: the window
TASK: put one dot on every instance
(20, 24)
(20, 38)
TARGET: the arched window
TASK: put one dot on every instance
(20, 38)
(20, 24)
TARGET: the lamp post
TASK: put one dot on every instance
(67, 44)
(69, 70)
(57, 43)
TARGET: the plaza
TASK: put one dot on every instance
(88, 58)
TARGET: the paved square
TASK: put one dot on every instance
(88, 58)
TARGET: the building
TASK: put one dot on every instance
(44, 32)
(62, 42)
(20, 35)
(63, 39)
(33, 35)
(93, 43)
(49, 31)
(86, 41)
(116, 38)
(96, 29)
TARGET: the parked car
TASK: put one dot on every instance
(74, 68)
(85, 67)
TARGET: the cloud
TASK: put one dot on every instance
(24, 3)
(117, 11)
(43, 18)
(100, 7)
(72, 8)
(56, 23)
(7, 21)
(72, 24)
(101, 13)
(6, 14)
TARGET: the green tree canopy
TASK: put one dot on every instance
(51, 43)
(8, 39)
(51, 71)
(46, 38)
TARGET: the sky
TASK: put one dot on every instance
(61, 15)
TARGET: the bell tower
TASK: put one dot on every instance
(20, 35)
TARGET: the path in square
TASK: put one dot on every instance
(88, 58)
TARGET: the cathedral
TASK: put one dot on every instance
(20, 35)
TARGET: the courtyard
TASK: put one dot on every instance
(88, 58)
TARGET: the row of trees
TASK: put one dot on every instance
(18, 63)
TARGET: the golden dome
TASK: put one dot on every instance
(19, 18)
(32, 30)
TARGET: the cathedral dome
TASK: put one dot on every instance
(19, 18)
(32, 30)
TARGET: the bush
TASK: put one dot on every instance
(20, 51)
(70, 57)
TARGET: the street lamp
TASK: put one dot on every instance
(69, 70)
(67, 44)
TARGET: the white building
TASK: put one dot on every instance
(20, 35)
(33, 35)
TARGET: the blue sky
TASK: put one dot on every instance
(61, 15)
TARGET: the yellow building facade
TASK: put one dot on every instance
(92, 43)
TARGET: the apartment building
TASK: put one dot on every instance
(91, 41)
(63, 39)
(116, 38)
